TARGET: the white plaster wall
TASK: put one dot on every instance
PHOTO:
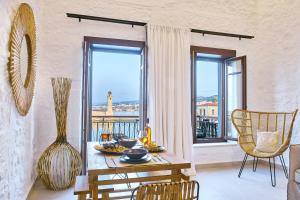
(17, 160)
(271, 72)
(61, 50)
(279, 24)
(217, 153)
(273, 62)
(61, 47)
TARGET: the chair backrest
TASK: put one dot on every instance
(247, 123)
(187, 190)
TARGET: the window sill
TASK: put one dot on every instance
(217, 144)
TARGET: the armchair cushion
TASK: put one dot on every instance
(267, 142)
(297, 176)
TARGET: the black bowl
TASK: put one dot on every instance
(135, 153)
(120, 136)
(128, 143)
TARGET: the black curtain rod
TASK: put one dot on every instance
(135, 23)
(118, 21)
(222, 34)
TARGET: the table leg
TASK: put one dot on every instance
(82, 197)
(105, 196)
(176, 172)
(186, 177)
(95, 188)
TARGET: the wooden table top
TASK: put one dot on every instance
(97, 163)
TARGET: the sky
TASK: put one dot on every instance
(115, 72)
(120, 74)
(207, 78)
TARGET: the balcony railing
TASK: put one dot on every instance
(127, 125)
(206, 127)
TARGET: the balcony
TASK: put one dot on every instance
(206, 127)
(127, 125)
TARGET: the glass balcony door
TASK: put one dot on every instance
(218, 86)
(235, 72)
(113, 89)
(117, 102)
(208, 93)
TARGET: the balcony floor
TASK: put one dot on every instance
(219, 183)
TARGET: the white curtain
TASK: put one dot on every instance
(169, 91)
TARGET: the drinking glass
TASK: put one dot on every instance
(143, 137)
(106, 136)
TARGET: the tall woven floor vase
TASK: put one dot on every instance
(60, 163)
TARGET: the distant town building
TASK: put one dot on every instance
(208, 109)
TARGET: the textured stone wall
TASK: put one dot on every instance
(61, 46)
(272, 57)
(17, 136)
(279, 25)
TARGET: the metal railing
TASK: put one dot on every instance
(206, 127)
(127, 125)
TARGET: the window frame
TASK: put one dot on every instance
(86, 96)
(225, 54)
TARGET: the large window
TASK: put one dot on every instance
(116, 87)
(218, 87)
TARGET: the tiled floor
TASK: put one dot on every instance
(220, 183)
(39, 192)
(223, 184)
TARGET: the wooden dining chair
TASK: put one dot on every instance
(186, 190)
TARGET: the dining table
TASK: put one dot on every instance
(113, 179)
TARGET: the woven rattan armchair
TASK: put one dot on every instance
(247, 123)
(187, 190)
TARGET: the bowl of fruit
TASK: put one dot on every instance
(152, 147)
(110, 148)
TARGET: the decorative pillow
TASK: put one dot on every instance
(267, 142)
(297, 176)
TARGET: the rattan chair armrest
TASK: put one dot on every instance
(283, 147)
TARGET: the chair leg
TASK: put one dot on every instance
(284, 166)
(255, 161)
(273, 174)
(105, 196)
(82, 197)
(243, 165)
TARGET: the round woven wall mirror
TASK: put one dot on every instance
(21, 65)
